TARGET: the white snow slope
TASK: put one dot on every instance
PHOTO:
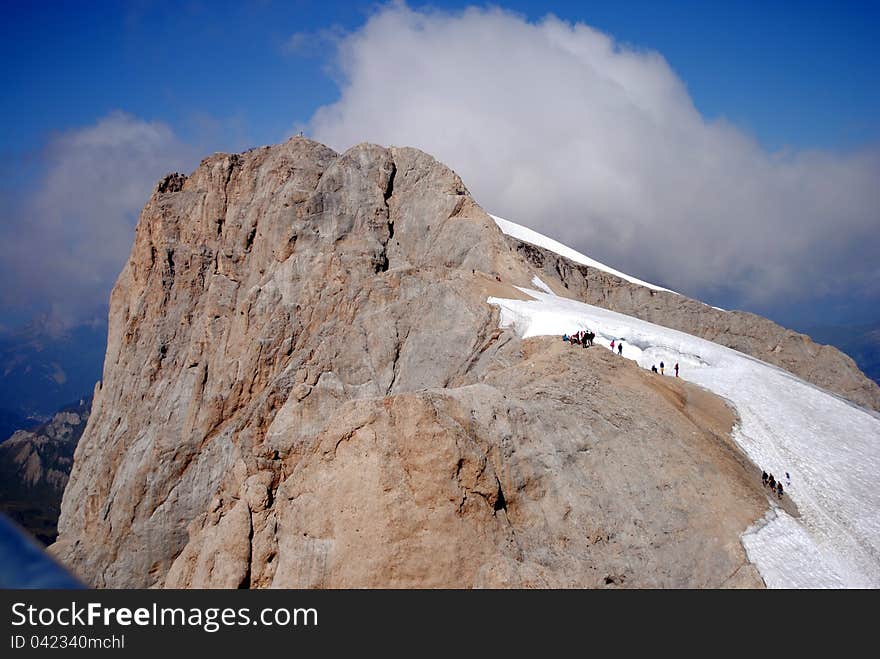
(527, 235)
(830, 447)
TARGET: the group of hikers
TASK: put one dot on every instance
(585, 338)
(580, 338)
(662, 370)
(775, 486)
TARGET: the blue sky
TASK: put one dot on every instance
(222, 76)
(791, 73)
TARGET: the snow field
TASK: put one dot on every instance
(830, 447)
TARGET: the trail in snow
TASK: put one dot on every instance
(830, 447)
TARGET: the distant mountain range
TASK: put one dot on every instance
(34, 468)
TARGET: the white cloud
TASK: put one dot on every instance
(556, 126)
(62, 248)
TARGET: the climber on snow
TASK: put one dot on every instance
(676, 369)
(620, 348)
(661, 368)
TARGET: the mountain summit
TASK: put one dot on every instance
(316, 377)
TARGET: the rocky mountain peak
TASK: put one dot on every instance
(305, 386)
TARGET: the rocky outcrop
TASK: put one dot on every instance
(822, 365)
(263, 277)
(305, 387)
(34, 468)
(517, 481)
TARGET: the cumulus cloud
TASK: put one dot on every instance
(63, 245)
(557, 126)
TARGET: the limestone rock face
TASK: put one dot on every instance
(305, 387)
(263, 292)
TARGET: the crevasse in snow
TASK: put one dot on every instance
(830, 447)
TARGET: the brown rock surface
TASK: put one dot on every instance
(469, 486)
(305, 386)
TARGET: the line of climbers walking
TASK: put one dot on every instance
(775, 486)
(662, 370)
